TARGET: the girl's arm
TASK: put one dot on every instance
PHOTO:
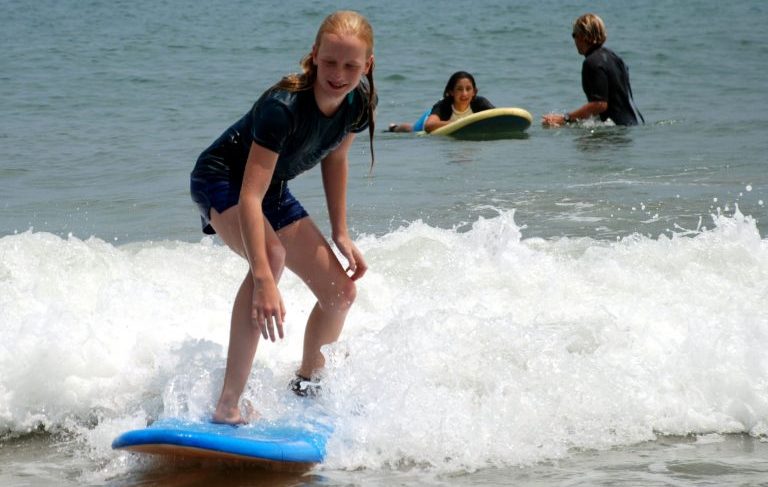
(335, 168)
(434, 123)
(267, 304)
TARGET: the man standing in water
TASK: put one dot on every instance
(604, 79)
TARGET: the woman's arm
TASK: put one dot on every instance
(335, 168)
(434, 123)
(587, 110)
(266, 302)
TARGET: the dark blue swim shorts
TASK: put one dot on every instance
(279, 205)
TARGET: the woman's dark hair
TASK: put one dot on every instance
(455, 77)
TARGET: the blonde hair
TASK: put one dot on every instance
(591, 28)
(342, 22)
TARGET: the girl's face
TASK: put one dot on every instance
(463, 93)
(341, 61)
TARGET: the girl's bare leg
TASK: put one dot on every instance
(243, 336)
(309, 255)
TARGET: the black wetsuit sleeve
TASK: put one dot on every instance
(442, 109)
(436, 109)
(480, 104)
(361, 118)
(272, 124)
(361, 125)
(594, 82)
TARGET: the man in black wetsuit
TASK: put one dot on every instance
(604, 78)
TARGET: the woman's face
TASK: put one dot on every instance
(581, 44)
(463, 93)
(341, 61)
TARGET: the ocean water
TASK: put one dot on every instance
(578, 306)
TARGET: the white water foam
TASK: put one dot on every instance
(463, 350)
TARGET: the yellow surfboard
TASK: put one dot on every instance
(496, 123)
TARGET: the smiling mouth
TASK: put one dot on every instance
(337, 86)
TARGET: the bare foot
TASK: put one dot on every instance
(235, 416)
(249, 412)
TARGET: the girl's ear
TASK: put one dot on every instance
(368, 65)
(314, 54)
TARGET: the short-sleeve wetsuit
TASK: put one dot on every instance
(288, 123)
(444, 108)
(604, 77)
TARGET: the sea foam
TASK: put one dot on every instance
(464, 348)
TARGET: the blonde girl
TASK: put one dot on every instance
(240, 184)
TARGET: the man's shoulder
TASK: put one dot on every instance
(602, 55)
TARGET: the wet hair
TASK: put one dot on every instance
(342, 22)
(591, 28)
(454, 79)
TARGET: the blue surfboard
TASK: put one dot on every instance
(283, 444)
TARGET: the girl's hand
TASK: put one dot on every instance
(267, 309)
(357, 265)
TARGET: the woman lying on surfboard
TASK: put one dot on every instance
(240, 185)
(459, 100)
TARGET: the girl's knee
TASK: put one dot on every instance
(346, 294)
(276, 256)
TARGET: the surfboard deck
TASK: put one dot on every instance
(496, 123)
(285, 444)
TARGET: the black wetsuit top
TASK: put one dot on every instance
(604, 77)
(444, 108)
(288, 123)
